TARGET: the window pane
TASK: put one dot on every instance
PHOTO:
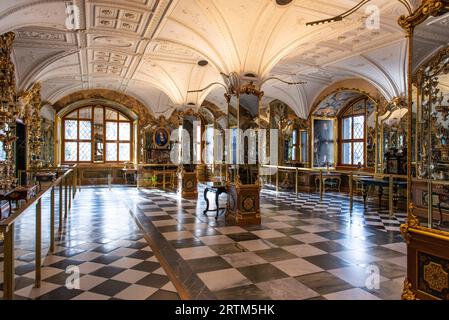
(111, 114)
(2, 152)
(210, 145)
(71, 129)
(294, 152)
(125, 152)
(99, 115)
(359, 127)
(304, 146)
(358, 153)
(98, 151)
(111, 151)
(73, 115)
(85, 130)
(295, 137)
(347, 133)
(122, 117)
(85, 151)
(71, 151)
(125, 131)
(111, 130)
(86, 113)
(346, 153)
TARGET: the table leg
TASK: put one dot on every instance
(380, 194)
(365, 194)
(395, 197)
(217, 198)
(207, 201)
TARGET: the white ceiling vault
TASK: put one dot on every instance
(149, 49)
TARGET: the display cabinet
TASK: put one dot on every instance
(243, 181)
(426, 231)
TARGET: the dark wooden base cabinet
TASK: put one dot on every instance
(243, 205)
(188, 185)
(427, 263)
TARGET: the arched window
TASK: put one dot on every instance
(96, 135)
(352, 134)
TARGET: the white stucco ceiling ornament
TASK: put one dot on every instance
(150, 49)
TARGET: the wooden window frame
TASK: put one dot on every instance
(117, 121)
(352, 141)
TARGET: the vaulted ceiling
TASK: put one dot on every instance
(149, 49)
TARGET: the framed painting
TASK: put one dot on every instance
(161, 138)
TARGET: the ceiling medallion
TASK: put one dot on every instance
(283, 2)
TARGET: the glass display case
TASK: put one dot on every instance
(324, 140)
(426, 229)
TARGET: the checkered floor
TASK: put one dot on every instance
(335, 205)
(303, 249)
(102, 242)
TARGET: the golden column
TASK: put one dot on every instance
(8, 112)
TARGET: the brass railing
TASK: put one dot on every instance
(67, 184)
(350, 174)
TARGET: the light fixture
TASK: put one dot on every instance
(340, 16)
(286, 82)
(283, 2)
(203, 63)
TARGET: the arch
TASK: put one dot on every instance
(353, 88)
(108, 96)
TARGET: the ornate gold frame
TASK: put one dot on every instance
(167, 132)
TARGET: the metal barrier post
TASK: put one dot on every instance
(321, 185)
(351, 192)
(38, 260)
(390, 196)
(8, 262)
(52, 220)
(277, 180)
(296, 182)
(74, 183)
(65, 198)
(60, 204)
(70, 191)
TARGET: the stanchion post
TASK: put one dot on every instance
(69, 183)
(8, 262)
(277, 180)
(390, 196)
(321, 185)
(351, 192)
(296, 183)
(52, 220)
(65, 198)
(60, 203)
(38, 253)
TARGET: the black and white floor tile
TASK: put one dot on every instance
(317, 252)
(304, 249)
(102, 242)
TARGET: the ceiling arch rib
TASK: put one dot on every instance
(233, 35)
